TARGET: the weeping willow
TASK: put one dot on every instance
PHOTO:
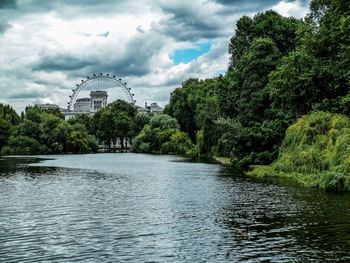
(315, 152)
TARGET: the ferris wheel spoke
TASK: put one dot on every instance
(99, 82)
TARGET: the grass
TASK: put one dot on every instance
(222, 160)
(315, 152)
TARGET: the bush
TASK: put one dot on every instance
(168, 148)
(315, 152)
(7, 151)
(144, 147)
(26, 145)
(162, 136)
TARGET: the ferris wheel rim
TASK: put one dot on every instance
(97, 77)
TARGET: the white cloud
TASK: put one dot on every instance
(285, 8)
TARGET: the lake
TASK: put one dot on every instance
(155, 208)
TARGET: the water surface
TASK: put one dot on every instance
(147, 208)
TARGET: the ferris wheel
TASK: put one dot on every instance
(100, 82)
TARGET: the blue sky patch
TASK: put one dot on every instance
(189, 54)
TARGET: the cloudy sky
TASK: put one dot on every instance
(46, 47)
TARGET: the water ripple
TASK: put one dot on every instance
(141, 208)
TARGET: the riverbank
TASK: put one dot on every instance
(330, 181)
(315, 152)
(333, 182)
(222, 160)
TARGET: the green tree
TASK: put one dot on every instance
(181, 108)
(78, 142)
(316, 76)
(292, 86)
(8, 118)
(250, 81)
(83, 119)
(270, 24)
(251, 135)
(188, 104)
(141, 119)
(123, 128)
(162, 136)
(8, 114)
(40, 131)
(163, 121)
(26, 145)
(104, 126)
(115, 122)
(4, 132)
(28, 128)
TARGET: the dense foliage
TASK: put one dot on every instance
(315, 151)
(39, 131)
(281, 30)
(43, 132)
(114, 123)
(162, 135)
(8, 118)
(280, 69)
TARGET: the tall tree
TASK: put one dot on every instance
(115, 122)
(8, 118)
(188, 103)
(317, 76)
(270, 24)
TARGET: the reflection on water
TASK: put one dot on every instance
(138, 208)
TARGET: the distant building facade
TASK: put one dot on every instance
(46, 106)
(88, 106)
(154, 107)
(82, 105)
(98, 100)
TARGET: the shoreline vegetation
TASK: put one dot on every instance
(281, 109)
(315, 152)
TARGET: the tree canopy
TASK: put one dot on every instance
(280, 69)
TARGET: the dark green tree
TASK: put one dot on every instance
(250, 79)
(270, 24)
(83, 119)
(162, 136)
(115, 122)
(8, 118)
(4, 132)
(316, 76)
(8, 114)
(190, 102)
(141, 119)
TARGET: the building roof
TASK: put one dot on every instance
(84, 99)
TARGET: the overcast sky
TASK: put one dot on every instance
(46, 47)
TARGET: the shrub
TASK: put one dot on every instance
(26, 145)
(7, 151)
(315, 152)
(162, 136)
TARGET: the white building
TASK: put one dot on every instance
(98, 100)
(46, 106)
(82, 105)
(154, 107)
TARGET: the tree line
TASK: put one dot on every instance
(39, 131)
(280, 69)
